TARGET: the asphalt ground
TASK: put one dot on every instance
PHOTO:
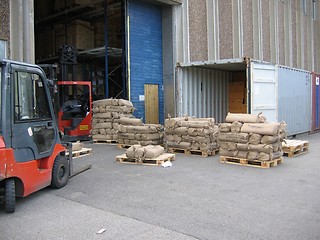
(196, 198)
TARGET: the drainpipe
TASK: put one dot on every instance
(28, 31)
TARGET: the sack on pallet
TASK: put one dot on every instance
(182, 145)
(130, 152)
(252, 155)
(261, 128)
(130, 121)
(242, 154)
(179, 131)
(230, 146)
(224, 152)
(269, 139)
(173, 122)
(195, 124)
(225, 127)
(245, 118)
(255, 138)
(102, 115)
(173, 138)
(235, 127)
(123, 102)
(266, 157)
(146, 128)
(234, 137)
(103, 125)
(150, 136)
(152, 152)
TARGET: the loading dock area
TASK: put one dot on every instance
(151, 202)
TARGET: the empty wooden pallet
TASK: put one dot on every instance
(251, 163)
(292, 148)
(155, 161)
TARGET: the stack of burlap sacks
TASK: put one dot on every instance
(140, 153)
(249, 136)
(106, 115)
(133, 131)
(191, 133)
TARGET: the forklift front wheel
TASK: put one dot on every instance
(60, 172)
(10, 196)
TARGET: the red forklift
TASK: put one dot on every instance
(32, 155)
(72, 98)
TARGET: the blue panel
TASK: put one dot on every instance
(145, 53)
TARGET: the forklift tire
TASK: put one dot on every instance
(60, 172)
(10, 196)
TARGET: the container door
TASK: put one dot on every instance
(316, 102)
(264, 90)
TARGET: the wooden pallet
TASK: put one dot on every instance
(156, 161)
(123, 146)
(105, 141)
(203, 153)
(81, 153)
(251, 163)
(292, 148)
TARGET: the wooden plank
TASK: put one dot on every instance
(151, 103)
(251, 163)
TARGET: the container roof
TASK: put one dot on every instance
(234, 65)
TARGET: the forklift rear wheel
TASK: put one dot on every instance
(10, 196)
(60, 172)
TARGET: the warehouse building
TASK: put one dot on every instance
(203, 58)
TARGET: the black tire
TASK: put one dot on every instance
(10, 196)
(60, 172)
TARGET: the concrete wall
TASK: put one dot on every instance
(5, 23)
(278, 31)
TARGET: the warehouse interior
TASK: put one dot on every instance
(81, 24)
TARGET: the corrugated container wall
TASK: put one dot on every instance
(294, 101)
(315, 102)
(280, 32)
(202, 92)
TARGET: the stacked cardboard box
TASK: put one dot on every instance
(79, 34)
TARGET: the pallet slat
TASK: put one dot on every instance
(81, 153)
(156, 161)
(292, 148)
(203, 153)
(251, 163)
(105, 141)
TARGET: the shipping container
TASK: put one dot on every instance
(212, 89)
(315, 102)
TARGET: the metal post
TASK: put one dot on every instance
(106, 49)
(123, 33)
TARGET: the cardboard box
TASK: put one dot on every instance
(80, 34)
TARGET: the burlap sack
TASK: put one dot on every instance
(261, 128)
(129, 136)
(245, 118)
(102, 115)
(252, 155)
(123, 102)
(103, 125)
(178, 131)
(130, 152)
(130, 121)
(102, 137)
(182, 145)
(269, 139)
(172, 138)
(173, 122)
(195, 146)
(255, 138)
(146, 128)
(234, 137)
(150, 136)
(224, 152)
(242, 154)
(152, 152)
(230, 146)
(225, 127)
(235, 127)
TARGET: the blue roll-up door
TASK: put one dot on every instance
(145, 62)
